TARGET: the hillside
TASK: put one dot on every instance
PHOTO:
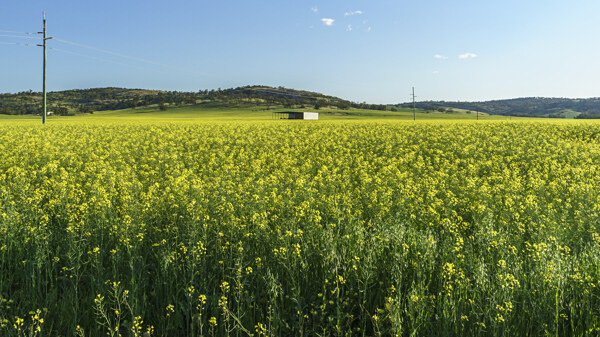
(102, 99)
(526, 107)
(264, 97)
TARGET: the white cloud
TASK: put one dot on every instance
(353, 13)
(440, 57)
(435, 72)
(368, 29)
(314, 10)
(467, 56)
(327, 21)
(349, 28)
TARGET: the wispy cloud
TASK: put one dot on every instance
(327, 21)
(440, 57)
(467, 56)
(353, 13)
(314, 10)
(349, 28)
(368, 29)
(435, 72)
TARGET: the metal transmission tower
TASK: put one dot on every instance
(44, 105)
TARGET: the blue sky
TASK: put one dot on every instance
(372, 51)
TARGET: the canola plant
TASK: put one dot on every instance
(287, 228)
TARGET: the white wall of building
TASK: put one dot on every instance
(311, 115)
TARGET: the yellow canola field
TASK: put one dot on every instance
(293, 228)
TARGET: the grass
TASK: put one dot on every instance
(13, 117)
(256, 113)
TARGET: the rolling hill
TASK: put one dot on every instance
(525, 107)
(102, 99)
(71, 102)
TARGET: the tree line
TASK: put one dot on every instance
(524, 107)
(99, 99)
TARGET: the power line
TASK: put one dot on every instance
(92, 57)
(139, 59)
(108, 52)
(15, 32)
(18, 44)
(11, 34)
(99, 58)
(24, 37)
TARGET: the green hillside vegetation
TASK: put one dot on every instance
(71, 102)
(265, 98)
(526, 107)
(254, 102)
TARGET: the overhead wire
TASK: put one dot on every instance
(18, 44)
(24, 37)
(139, 59)
(15, 32)
(99, 58)
(11, 34)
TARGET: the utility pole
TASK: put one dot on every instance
(477, 111)
(44, 102)
(414, 111)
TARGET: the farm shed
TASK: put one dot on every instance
(297, 115)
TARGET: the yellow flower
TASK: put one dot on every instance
(170, 309)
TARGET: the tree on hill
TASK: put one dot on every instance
(344, 105)
(320, 104)
(61, 111)
(86, 109)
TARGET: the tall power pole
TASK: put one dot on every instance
(414, 111)
(44, 102)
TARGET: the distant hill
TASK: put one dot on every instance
(264, 97)
(525, 107)
(99, 99)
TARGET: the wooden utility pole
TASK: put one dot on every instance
(414, 111)
(44, 102)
